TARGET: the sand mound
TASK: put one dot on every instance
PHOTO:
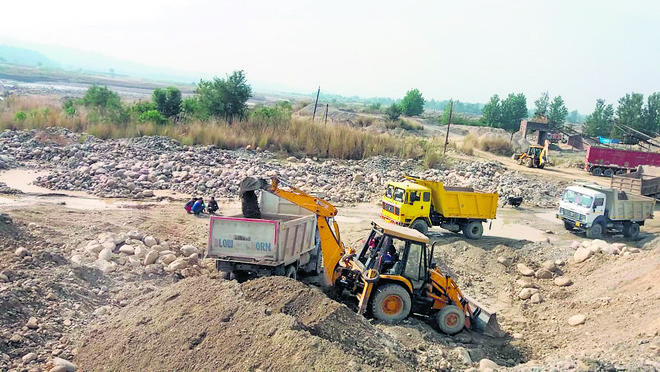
(272, 324)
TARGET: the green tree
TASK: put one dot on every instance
(631, 113)
(557, 113)
(652, 113)
(104, 103)
(491, 112)
(168, 101)
(393, 111)
(225, 97)
(413, 103)
(599, 122)
(513, 110)
(541, 104)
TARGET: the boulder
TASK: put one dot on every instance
(105, 254)
(136, 235)
(32, 323)
(29, 357)
(506, 261)
(187, 250)
(150, 258)
(158, 248)
(577, 320)
(526, 283)
(526, 293)
(63, 363)
(168, 259)
(127, 249)
(140, 251)
(582, 254)
(177, 264)
(487, 364)
(563, 281)
(536, 298)
(21, 252)
(549, 265)
(524, 270)
(543, 274)
(150, 241)
(105, 266)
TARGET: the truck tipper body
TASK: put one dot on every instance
(646, 181)
(598, 210)
(282, 242)
(604, 161)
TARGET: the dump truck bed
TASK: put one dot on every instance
(624, 206)
(281, 236)
(461, 202)
(637, 183)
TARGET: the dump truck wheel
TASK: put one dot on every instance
(291, 272)
(391, 304)
(450, 319)
(621, 171)
(595, 231)
(226, 275)
(568, 225)
(541, 166)
(631, 230)
(529, 162)
(420, 226)
(473, 230)
(608, 172)
(597, 171)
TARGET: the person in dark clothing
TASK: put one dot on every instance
(198, 207)
(213, 206)
(190, 204)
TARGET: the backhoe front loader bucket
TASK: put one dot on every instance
(483, 320)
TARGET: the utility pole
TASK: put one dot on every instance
(326, 114)
(451, 109)
(316, 103)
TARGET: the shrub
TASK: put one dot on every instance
(152, 116)
(393, 112)
(68, 108)
(410, 125)
(20, 116)
(167, 101)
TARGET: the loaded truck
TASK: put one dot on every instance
(599, 210)
(646, 181)
(421, 204)
(604, 161)
(388, 289)
(282, 242)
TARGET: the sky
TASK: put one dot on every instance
(466, 50)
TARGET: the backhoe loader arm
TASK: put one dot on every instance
(331, 245)
(545, 152)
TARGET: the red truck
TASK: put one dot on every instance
(604, 161)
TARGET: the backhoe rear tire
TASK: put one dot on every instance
(421, 226)
(291, 272)
(450, 319)
(391, 303)
(473, 230)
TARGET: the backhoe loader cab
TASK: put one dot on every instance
(535, 157)
(394, 275)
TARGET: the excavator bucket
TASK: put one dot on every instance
(483, 320)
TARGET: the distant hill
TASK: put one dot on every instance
(26, 57)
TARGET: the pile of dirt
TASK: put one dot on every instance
(270, 324)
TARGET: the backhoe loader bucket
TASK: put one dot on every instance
(483, 320)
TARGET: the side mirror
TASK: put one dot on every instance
(432, 264)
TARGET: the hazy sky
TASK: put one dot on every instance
(468, 50)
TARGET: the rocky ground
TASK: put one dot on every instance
(134, 168)
(129, 288)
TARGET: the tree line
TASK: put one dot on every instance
(632, 111)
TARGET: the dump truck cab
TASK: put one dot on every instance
(406, 202)
(393, 275)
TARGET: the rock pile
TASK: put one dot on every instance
(586, 249)
(111, 252)
(134, 168)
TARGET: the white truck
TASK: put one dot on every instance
(282, 242)
(598, 210)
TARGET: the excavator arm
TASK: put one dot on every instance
(544, 153)
(331, 246)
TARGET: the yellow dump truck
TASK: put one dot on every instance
(421, 204)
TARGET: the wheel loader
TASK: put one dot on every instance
(393, 274)
(535, 157)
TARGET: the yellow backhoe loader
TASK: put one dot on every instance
(535, 157)
(393, 274)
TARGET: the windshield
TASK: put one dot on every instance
(575, 197)
(398, 194)
(389, 191)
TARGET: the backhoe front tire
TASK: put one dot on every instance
(529, 162)
(391, 303)
(473, 230)
(421, 226)
(450, 319)
(595, 231)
